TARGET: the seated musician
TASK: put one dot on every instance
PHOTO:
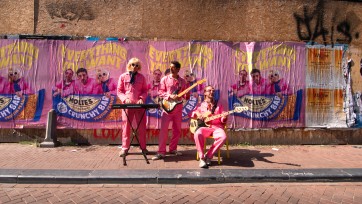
(132, 89)
(215, 127)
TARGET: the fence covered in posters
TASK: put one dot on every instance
(78, 79)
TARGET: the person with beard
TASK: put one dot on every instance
(171, 85)
(132, 89)
(65, 87)
(208, 108)
(155, 85)
(241, 88)
(86, 85)
(258, 84)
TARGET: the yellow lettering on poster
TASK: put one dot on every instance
(281, 56)
(195, 55)
(105, 55)
(20, 53)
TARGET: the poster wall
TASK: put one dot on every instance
(326, 86)
(78, 79)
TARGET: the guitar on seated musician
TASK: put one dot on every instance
(214, 127)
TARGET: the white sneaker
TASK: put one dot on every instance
(123, 152)
(202, 164)
(158, 157)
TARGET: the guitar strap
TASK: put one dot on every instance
(179, 86)
(214, 106)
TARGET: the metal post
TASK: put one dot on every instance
(50, 136)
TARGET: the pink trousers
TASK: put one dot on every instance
(200, 137)
(126, 128)
(176, 118)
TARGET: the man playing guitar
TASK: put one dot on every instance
(170, 86)
(215, 127)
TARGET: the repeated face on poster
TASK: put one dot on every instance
(78, 79)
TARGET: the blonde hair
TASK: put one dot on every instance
(134, 60)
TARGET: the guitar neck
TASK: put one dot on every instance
(187, 90)
(218, 116)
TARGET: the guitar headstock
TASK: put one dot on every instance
(240, 109)
(201, 81)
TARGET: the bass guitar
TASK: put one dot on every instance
(169, 105)
(197, 123)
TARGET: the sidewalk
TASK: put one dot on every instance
(21, 163)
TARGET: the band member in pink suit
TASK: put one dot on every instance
(241, 88)
(277, 85)
(153, 88)
(108, 84)
(171, 85)
(65, 87)
(209, 107)
(86, 85)
(155, 85)
(17, 83)
(258, 85)
(132, 89)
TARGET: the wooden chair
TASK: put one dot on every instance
(218, 151)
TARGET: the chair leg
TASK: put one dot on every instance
(227, 148)
(218, 157)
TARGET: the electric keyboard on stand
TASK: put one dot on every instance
(135, 130)
(135, 106)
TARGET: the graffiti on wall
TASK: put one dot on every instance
(312, 25)
(70, 10)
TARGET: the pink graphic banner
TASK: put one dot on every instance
(78, 79)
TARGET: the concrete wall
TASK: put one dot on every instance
(229, 20)
(325, 22)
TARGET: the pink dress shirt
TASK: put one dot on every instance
(133, 92)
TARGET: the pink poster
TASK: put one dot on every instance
(78, 79)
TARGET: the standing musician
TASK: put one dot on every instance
(216, 127)
(132, 89)
(171, 85)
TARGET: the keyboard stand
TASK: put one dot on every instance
(135, 135)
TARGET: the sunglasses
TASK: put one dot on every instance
(135, 65)
(274, 75)
(211, 90)
(11, 74)
(104, 74)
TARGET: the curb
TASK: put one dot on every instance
(177, 176)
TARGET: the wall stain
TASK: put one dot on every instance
(70, 10)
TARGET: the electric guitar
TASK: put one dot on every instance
(170, 104)
(197, 123)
